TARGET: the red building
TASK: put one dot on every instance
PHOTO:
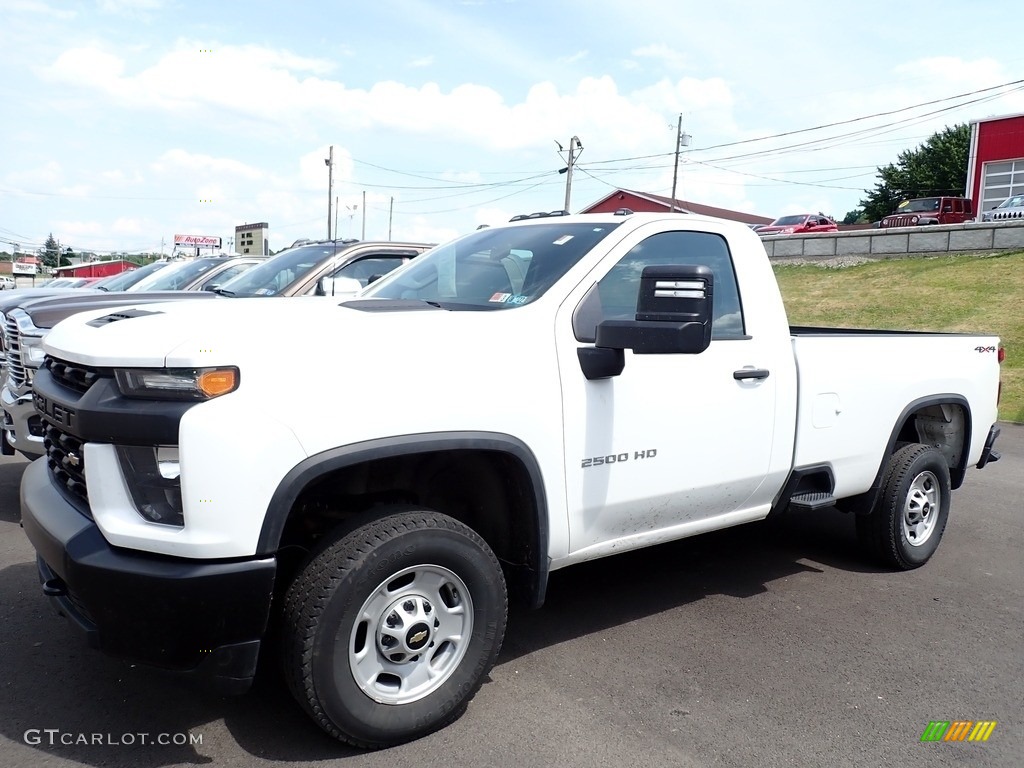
(995, 165)
(646, 202)
(95, 268)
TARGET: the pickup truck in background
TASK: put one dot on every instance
(930, 210)
(527, 397)
(24, 323)
(318, 268)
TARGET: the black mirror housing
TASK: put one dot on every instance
(673, 313)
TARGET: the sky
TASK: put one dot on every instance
(126, 122)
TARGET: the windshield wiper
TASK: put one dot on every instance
(223, 292)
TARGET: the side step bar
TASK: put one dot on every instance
(812, 501)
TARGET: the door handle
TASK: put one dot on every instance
(750, 373)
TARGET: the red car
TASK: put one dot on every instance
(799, 224)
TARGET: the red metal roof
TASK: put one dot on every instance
(645, 201)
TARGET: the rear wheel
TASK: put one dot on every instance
(906, 525)
(390, 630)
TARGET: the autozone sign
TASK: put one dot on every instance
(197, 241)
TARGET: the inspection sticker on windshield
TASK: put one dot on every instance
(563, 240)
(509, 298)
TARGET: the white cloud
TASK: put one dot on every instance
(574, 58)
(204, 166)
(424, 229)
(33, 6)
(130, 226)
(422, 61)
(128, 6)
(39, 179)
(666, 56)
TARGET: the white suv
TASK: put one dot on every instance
(7, 283)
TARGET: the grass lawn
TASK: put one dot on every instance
(968, 293)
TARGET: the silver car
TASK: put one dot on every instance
(1011, 208)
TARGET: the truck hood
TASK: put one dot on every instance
(22, 296)
(263, 332)
(46, 313)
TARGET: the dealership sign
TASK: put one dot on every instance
(197, 241)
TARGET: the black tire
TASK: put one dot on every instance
(413, 585)
(906, 524)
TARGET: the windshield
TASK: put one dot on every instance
(493, 268)
(130, 277)
(924, 205)
(789, 221)
(1012, 202)
(177, 276)
(274, 275)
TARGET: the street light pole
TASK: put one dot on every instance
(329, 162)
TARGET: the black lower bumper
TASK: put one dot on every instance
(989, 454)
(185, 615)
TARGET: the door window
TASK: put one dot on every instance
(373, 266)
(617, 291)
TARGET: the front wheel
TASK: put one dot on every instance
(390, 630)
(905, 526)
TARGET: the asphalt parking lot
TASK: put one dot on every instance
(770, 644)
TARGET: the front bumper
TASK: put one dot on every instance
(23, 429)
(204, 617)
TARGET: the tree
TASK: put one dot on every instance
(856, 216)
(937, 167)
(51, 252)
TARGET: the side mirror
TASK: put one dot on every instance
(211, 287)
(337, 286)
(673, 313)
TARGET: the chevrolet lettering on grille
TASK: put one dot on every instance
(59, 414)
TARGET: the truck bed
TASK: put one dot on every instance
(855, 385)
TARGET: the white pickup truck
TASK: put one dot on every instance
(366, 481)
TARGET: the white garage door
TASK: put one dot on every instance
(1000, 181)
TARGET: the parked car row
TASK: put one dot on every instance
(918, 212)
(324, 268)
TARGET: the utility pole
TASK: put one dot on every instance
(682, 140)
(575, 146)
(363, 235)
(335, 217)
(391, 216)
(329, 162)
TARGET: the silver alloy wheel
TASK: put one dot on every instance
(411, 634)
(921, 509)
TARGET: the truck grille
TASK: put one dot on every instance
(900, 221)
(16, 374)
(66, 461)
(1012, 214)
(72, 376)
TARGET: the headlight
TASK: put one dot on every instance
(32, 352)
(177, 383)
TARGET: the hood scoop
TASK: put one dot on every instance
(113, 317)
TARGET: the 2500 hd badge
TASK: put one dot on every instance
(618, 458)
